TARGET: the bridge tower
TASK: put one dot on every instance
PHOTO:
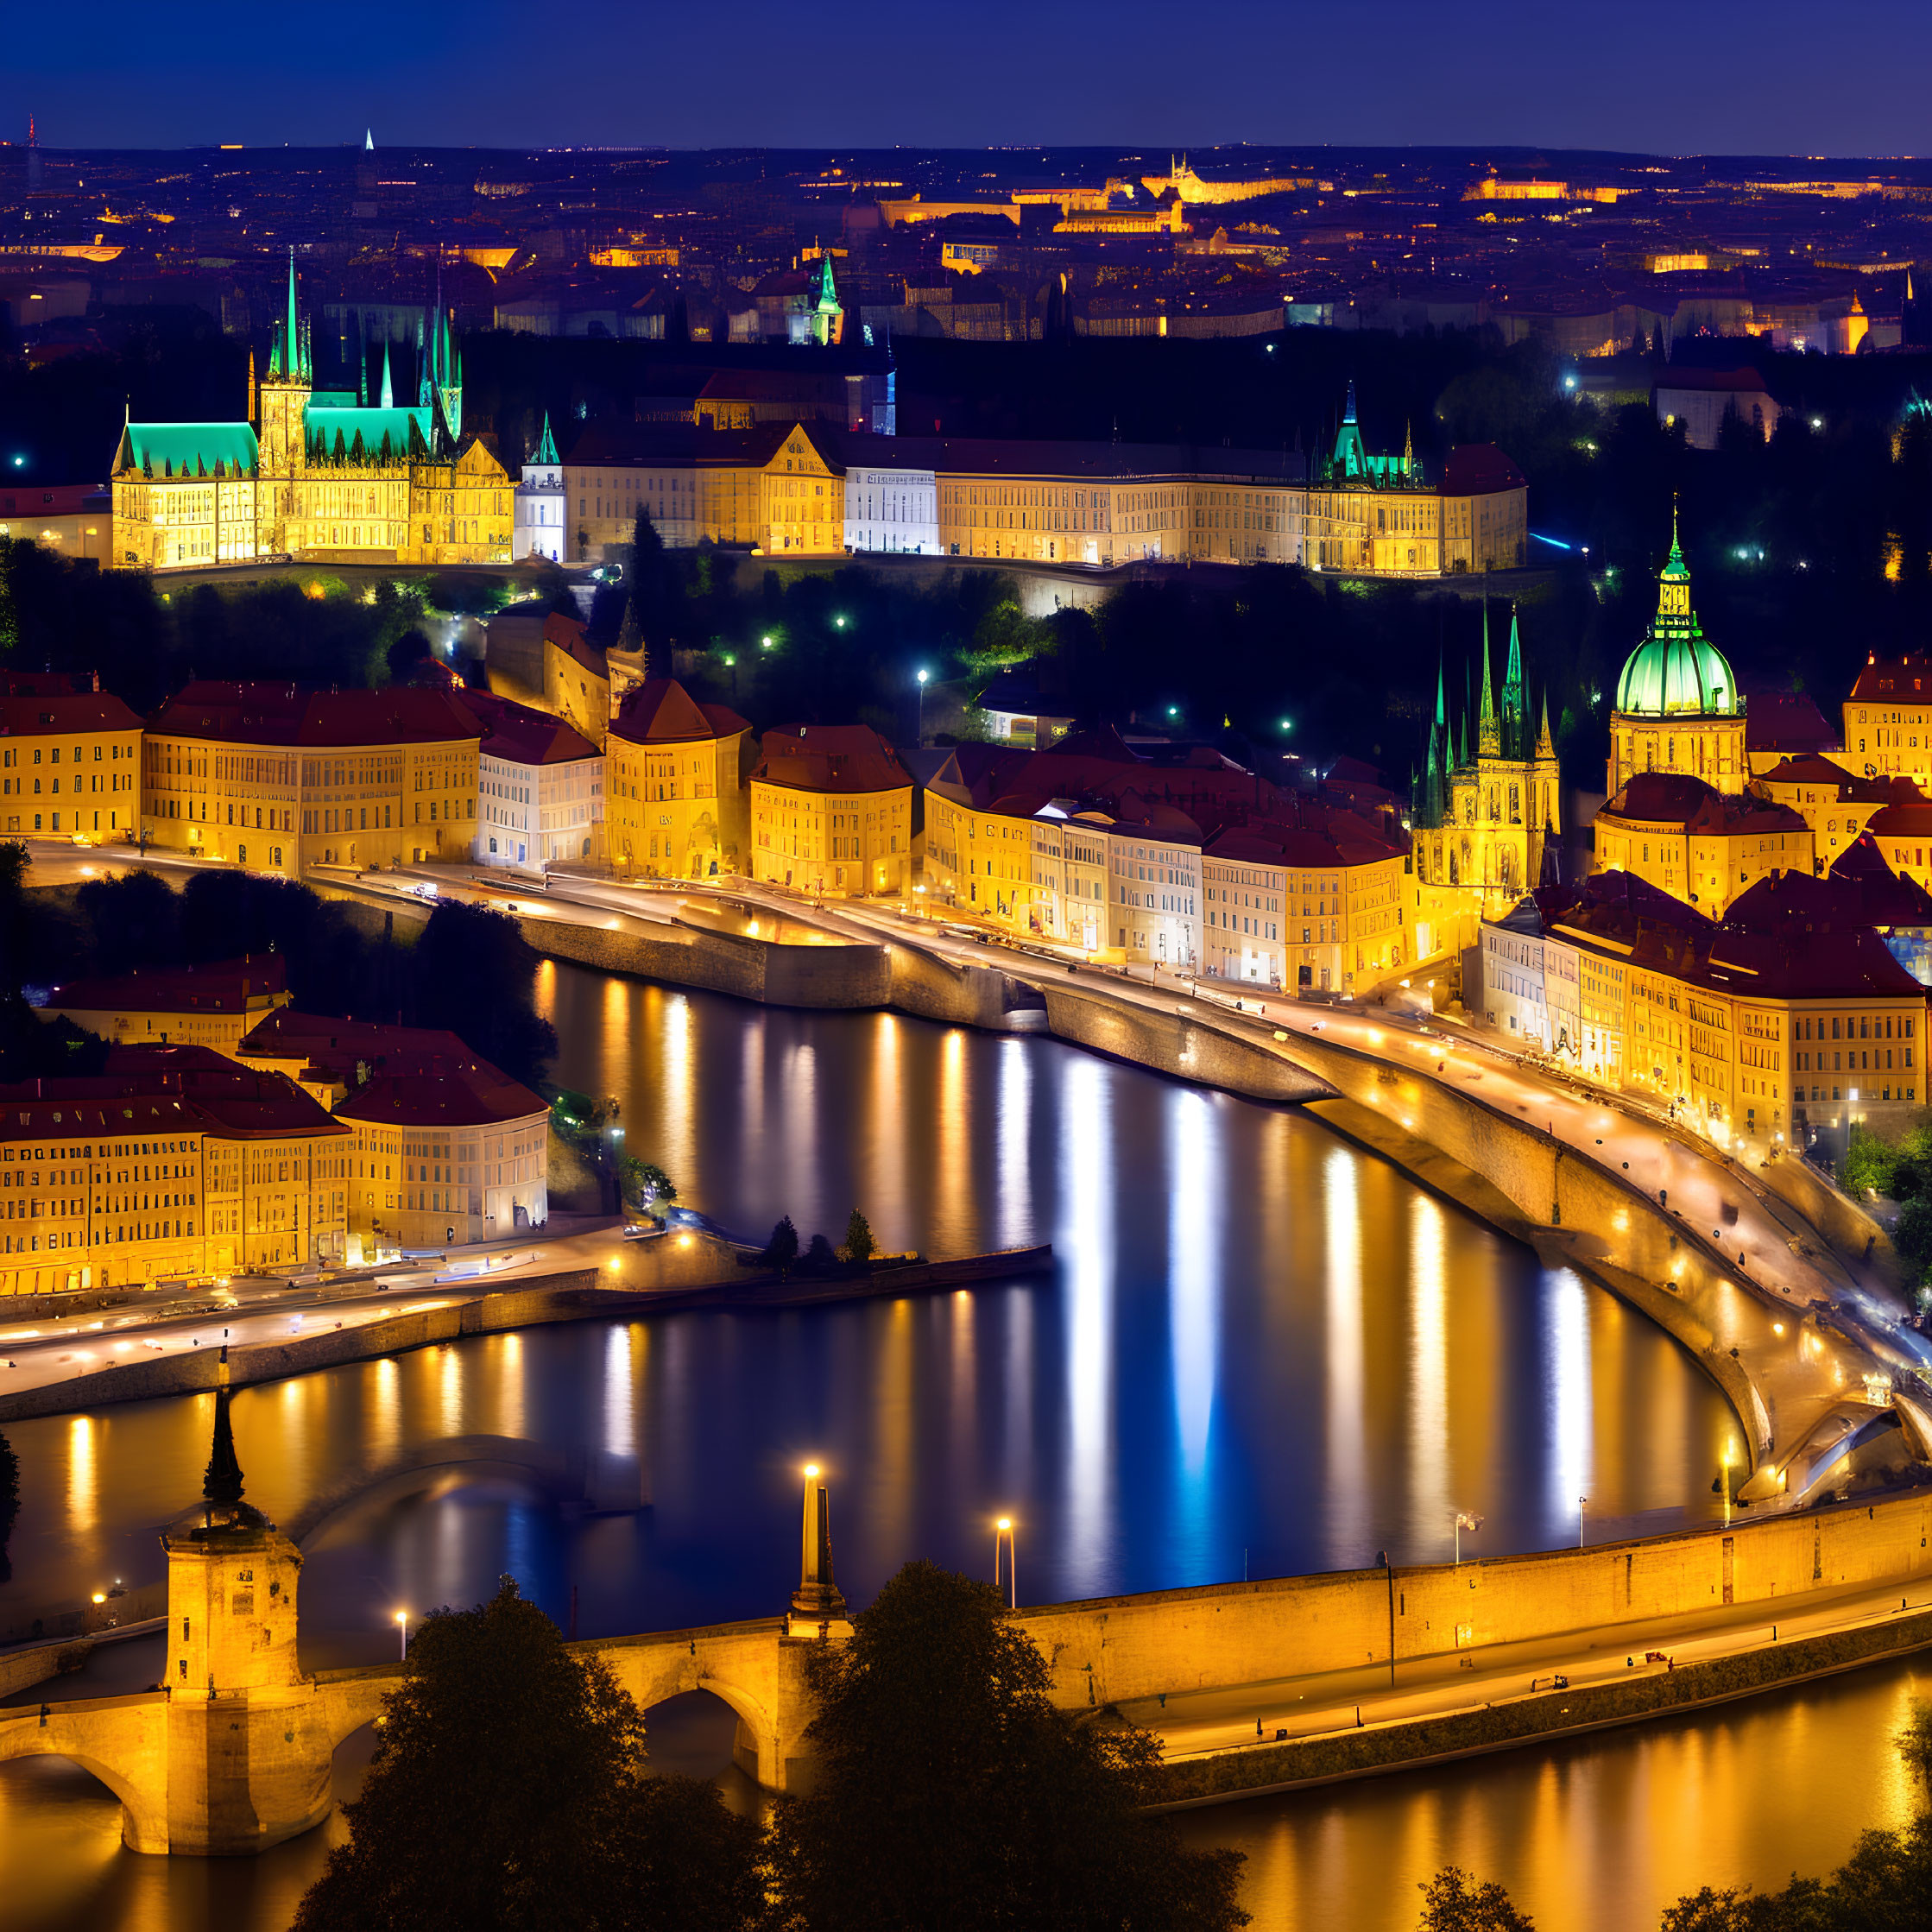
(247, 1746)
(817, 1609)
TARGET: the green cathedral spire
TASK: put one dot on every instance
(546, 446)
(1489, 742)
(1515, 716)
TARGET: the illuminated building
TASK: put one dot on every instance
(539, 525)
(1486, 808)
(211, 1005)
(1699, 845)
(74, 520)
(1379, 516)
(1836, 805)
(1791, 1018)
(53, 736)
(1700, 398)
(1887, 719)
(539, 787)
(1322, 904)
(316, 473)
(444, 1148)
(280, 779)
(173, 1164)
(677, 795)
(831, 812)
(808, 488)
(1678, 707)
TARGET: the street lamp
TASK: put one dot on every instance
(838, 623)
(1002, 1531)
(1465, 1519)
(1582, 1504)
(764, 643)
(403, 1625)
(923, 676)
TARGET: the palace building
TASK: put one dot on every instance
(1678, 707)
(831, 812)
(1700, 845)
(1887, 719)
(280, 779)
(55, 737)
(1486, 808)
(210, 1004)
(1379, 516)
(316, 473)
(174, 1163)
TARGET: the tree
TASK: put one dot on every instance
(508, 1792)
(859, 1244)
(950, 1794)
(1453, 1901)
(645, 1185)
(781, 1251)
(819, 1257)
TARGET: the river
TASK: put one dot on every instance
(1262, 1347)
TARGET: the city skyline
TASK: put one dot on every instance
(1312, 79)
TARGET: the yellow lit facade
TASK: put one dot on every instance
(831, 812)
(314, 475)
(278, 780)
(1677, 835)
(676, 805)
(1887, 719)
(69, 762)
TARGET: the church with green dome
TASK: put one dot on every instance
(1678, 707)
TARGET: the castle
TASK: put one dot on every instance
(316, 473)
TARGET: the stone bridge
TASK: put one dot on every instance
(232, 1752)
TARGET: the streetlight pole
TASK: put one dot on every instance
(1465, 1519)
(922, 676)
(403, 1625)
(1002, 1531)
(1583, 1504)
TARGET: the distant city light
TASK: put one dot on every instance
(20, 463)
(924, 675)
(1173, 710)
(838, 623)
(1569, 381)
(764, 643)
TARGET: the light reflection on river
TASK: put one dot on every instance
(1260, 1346)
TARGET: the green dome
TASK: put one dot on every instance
(1677, 670)
(1676, 674)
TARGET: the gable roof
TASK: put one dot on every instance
(520, 734)
(829, 758)
(662, 711)
(187, 449)
(259, 712)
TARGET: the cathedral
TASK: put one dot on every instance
(1486, 813)
(317, 475)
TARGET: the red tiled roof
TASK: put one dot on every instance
(272, 714)
(1909, 677)
(1675, 799)
(51, 713)
(1478, 469)
(1852, 788)
(415, 1076)
(163, 1089)
(221, 986)
(662, 711)
(519, 734)
(568, 634)
(829, 758)
(1786, 721)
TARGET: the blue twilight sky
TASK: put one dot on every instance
(1826, 76)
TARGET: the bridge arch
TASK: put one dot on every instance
(142, 1797)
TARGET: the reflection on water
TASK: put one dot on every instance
(1258, 1340)
(1596, 1837)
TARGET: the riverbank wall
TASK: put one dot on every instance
(705, 1275)
(1120, 1650)
(1545, 1717)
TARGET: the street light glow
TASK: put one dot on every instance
(812, 1469)
(924, 675)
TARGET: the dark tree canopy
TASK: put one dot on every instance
(510, 1795)
(951, 1794)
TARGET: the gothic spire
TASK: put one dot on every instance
(222, 1483)
(389, 389)
(1515, 713)
(1546, 746)
(1489, 742)
(291, 337)
(1348, 414)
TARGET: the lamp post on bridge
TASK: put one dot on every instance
(817, 1609)
(403, 1625)
(1002, 1533)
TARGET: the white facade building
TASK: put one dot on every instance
(1154, 869)
(540, 789)
(893, 510)
(539, 514)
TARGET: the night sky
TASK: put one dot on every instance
(1688, 77)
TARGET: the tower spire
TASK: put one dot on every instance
(389, 389)
(222, 1482)
(292, 337)
(1515, 716)
(1489, 743)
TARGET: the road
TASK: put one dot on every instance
(1199, 1723)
